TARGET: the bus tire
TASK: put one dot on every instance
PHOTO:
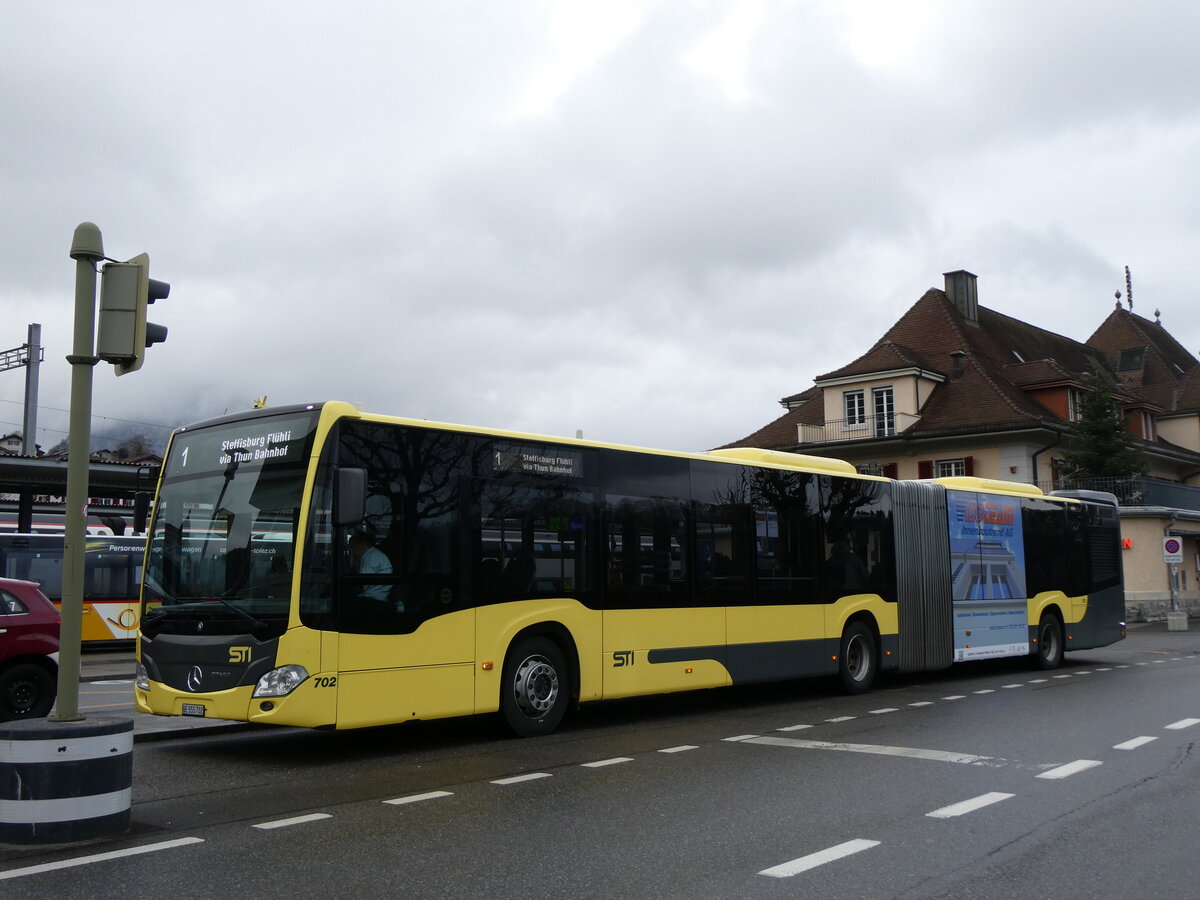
(858, 658)
(1049, 650)
(26, 692)
(535, 688)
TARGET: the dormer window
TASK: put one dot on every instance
(1131, 360)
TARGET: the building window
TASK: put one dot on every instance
(855, 403)
(1132, 360)
(884, 411)
(950, 468)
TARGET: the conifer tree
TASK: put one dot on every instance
(1102, 446)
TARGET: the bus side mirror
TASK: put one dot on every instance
(141, 512)
(349, 496)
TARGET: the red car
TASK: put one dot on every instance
(29, 626)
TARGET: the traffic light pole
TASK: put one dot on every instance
(87, 249)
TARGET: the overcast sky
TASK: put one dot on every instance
(645, 220)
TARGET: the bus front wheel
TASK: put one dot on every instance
(535, 689)
(1049, 650)
(856, 662)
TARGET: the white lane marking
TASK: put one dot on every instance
(680, 748)
(841, 719)
(1062, 676)
(1038, 681)
(1105, 669)
(877, 749)
(1009, 687)
(739, 737)
(986, 691)
(955, 697)
(1072, 768)
(417, 798)
(804, 863)
(886, 709)
(922, 703)
(1182, 723)
(600, 763)
(1134, 743)
(517, 779)
(1122, 667)
(125, 681)
(98, 857)
(794, 728)
(1084, 672)
(1142, 664)
(965, 806)
(295, 820)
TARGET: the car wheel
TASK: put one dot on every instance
(26, 692)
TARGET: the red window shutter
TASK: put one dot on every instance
(925, 468)
(891, 470)
(969, 465)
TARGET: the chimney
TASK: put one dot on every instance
(957, 356)
(960, 288)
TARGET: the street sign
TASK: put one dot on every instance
(1172, 550)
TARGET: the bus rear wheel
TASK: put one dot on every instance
(535, 688)
(1049, 649)
(857, 659)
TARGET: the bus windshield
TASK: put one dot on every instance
(222, 544)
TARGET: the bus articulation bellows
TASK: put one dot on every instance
(317, 566)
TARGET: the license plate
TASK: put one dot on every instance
(193, 709)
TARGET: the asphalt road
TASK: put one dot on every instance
(987, 780)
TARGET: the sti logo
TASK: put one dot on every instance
(239, 654)
(622, 658)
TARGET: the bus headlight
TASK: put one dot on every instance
(141, 679)
(280, 682)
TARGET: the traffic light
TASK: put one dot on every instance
(124, 334)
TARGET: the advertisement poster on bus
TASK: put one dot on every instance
(987, 558)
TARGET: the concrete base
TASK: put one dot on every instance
(64, 781)
(1177, 621)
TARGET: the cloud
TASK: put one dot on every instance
(648, 221)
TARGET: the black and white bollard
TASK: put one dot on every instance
(64, 781)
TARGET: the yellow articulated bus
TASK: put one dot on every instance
(112, 573)
(317, 566)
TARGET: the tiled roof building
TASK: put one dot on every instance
(955, 388)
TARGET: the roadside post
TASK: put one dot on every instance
(64, 778)
(1173, 556)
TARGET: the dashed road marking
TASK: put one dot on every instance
(98, 857)
(518, 779)
(295, 820)
(820, 858)
(417, 798)
(966, 806)
(878, 750)
(601, 763)
(1071, 768)
(680, 749)
(1134, 743)
(1182, 723)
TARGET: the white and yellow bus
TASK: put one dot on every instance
(112, 571)
(522, 574)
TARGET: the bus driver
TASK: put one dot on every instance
(369, 560)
